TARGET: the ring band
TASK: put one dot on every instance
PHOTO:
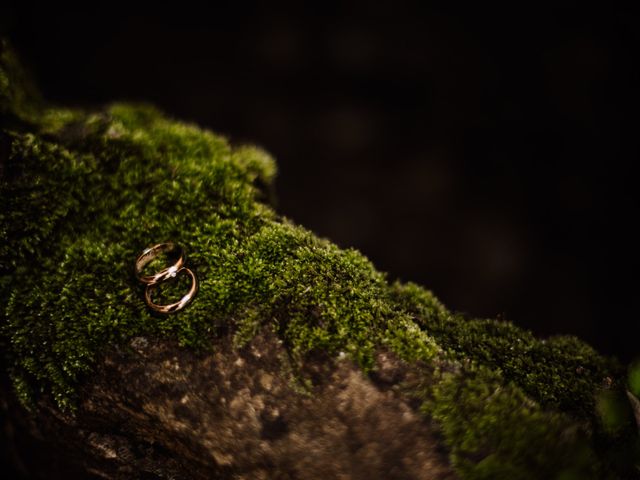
(149, 254)
(173, 307)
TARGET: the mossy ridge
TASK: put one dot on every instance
(561, 372)
(495, 431)
(556, 402)
(130, 173)
(247, 258)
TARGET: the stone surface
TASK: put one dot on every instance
(155, 410)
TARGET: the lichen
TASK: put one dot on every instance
(84, 192)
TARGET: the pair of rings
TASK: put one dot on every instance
(151, 281)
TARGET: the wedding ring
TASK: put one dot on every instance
(149, 254)
(163, 275)
(173, 307)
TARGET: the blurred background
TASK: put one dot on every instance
(488, 155)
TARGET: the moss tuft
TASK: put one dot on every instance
(19, 97)
(634, 378)
(561, 372)
(495, 431)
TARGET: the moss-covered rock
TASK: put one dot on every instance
(84, 192)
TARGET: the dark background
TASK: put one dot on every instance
(486, 154)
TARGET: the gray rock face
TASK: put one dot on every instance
(156, 410)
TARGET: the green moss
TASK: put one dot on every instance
(80, 212)
(634, 378)
(19, 98)
(83, 193)
(614, 411)
(496, 432)
(560, 372)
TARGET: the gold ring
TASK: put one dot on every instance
(163, 275)
(173, 307)
(149, 254)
